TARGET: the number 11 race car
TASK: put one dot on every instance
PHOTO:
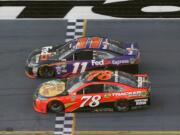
(92, 91)
(82, 54)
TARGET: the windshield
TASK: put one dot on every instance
(64, 51)
(126, 78)
(116, 46)
(64, 48)
(75, 81)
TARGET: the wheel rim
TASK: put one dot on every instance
(56, 107)
(46, 72)
(122, 106)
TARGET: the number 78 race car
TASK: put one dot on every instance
(92, 91)
(83, 54)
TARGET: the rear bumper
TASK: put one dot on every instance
(141, 102)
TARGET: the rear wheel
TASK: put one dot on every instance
(122, 106)
(46, 72)
(149, 101)
(56, 107)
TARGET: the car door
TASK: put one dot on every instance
(75, 63)
(90, 96)
(114, 92)
(103, 58)
(80, 61)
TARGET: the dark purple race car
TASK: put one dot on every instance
(83, 54)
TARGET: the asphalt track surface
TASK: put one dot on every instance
(160, 46)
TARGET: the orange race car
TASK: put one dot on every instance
(99, 90)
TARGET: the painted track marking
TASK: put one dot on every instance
(65, 122)
(10, 12)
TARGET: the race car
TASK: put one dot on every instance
(104, 90)
(82, 54)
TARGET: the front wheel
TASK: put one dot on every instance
(122, 106)
(46, 72)
(56, 107)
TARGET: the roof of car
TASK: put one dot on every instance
(107, 75)
(101, 43)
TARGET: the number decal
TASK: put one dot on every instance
(87, 98)
(94, 100)
(45, 50)
(45, 53)
(82, 43)
(76, 67)
(101, 75)
(84, 65)
(95, 42)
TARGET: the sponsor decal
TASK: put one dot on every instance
(132, 60)
(107, 62)
(107, 95)
(61, 69)
(73, 97)
(134, 93)
(97, 63)
(105, 44)
(141, 101)
(140, 81)
(119, 94)
(118, 62)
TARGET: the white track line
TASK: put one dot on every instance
(10, 12)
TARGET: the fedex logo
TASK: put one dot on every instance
(97, 63)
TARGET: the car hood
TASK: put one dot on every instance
(41, 54)
(52, 88)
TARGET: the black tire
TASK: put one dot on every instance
(46, 72)
(149, 101)
(56, 107)
(122, 106)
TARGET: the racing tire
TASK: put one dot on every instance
(46, 72)
(149, 102)
(56, 107)
(122, 106)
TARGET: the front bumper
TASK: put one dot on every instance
(39, 106)
(29, 72)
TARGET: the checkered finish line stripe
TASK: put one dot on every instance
(64, 124)
(75, 29)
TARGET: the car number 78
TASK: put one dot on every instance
(95, 100)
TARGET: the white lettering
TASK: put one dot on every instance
(97, 63)
(117, 62)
